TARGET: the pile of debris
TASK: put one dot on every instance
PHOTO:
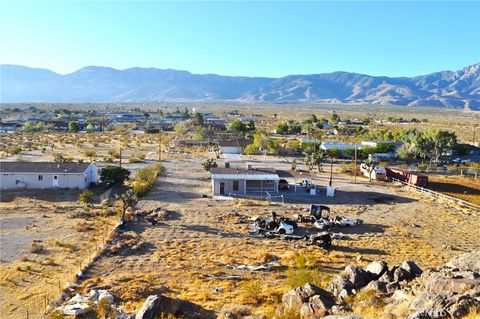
(154, 215)
(321, 219)
(284, 228)
(450, 291)
(83, 305)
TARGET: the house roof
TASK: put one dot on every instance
(43, 167)
(241, 173)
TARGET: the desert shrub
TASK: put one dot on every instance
(112, 175)
(114, 153)
(422, 167)
(146, 178)
(251, 291)
(36, 248)
(90, 153)
(86, 197)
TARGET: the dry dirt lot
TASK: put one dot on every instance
(43, 245)
(460, 187)
(191, 254)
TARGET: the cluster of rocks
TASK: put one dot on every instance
(450, 291)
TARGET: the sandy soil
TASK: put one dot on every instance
(203, 239)
(43, 245)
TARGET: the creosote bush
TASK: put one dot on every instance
(146, 178)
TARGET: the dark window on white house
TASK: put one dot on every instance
(235, 185)
(40, 177)
(55, 177)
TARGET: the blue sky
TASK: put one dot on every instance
(243, 38)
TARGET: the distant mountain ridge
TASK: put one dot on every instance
(453, 89)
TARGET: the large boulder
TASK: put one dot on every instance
(317, 306)
(339, 284)
(158, 305)
(466, 262)
(444, 283)
(377, 286)
(377, 269)
(412, 268)
(295, 298)
(435, 306)
(359, 277)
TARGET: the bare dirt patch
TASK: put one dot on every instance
(193, 255)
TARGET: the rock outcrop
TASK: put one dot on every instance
(450, 291)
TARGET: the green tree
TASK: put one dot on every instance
(209, 164)
(181, 129)
(198, 119)
(28, 127)
(295, 128)
(89, 128)
(73, 127)
(334, 118)
(238, 126)
(433, 144)
(407, 152)
(112, 175)
(334, 153)
(282, 128)
(251, 126)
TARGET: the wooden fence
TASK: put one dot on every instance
(433, 194)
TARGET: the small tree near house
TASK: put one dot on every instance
(128, 199)
(371, 164)
(209, 164)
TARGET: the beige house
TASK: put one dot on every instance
(42, 175)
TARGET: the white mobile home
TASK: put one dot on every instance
(41, 175)
(226, 181)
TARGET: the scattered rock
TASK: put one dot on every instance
(318, 306)
(339, 284)
(296, 297)
(377, 268)
(157, 305)
(359, 277)
(376, 285)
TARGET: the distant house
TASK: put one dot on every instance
(9, 126)
(337, 145)
(226, 181)
(40, 175)
(233, 147)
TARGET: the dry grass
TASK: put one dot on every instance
(457, 186)
(42, 269)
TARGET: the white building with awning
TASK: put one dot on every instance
(238, 181)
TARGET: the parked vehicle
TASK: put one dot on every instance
(283, 184)
(378, 173)
(458, 160)
(407, 176)
(284, 226)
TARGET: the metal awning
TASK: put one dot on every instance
(250, 177)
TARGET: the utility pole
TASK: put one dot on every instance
(331, 172)
(355, 168)
(159, 143)
(474, 133)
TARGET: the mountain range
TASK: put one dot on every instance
(451, 89)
